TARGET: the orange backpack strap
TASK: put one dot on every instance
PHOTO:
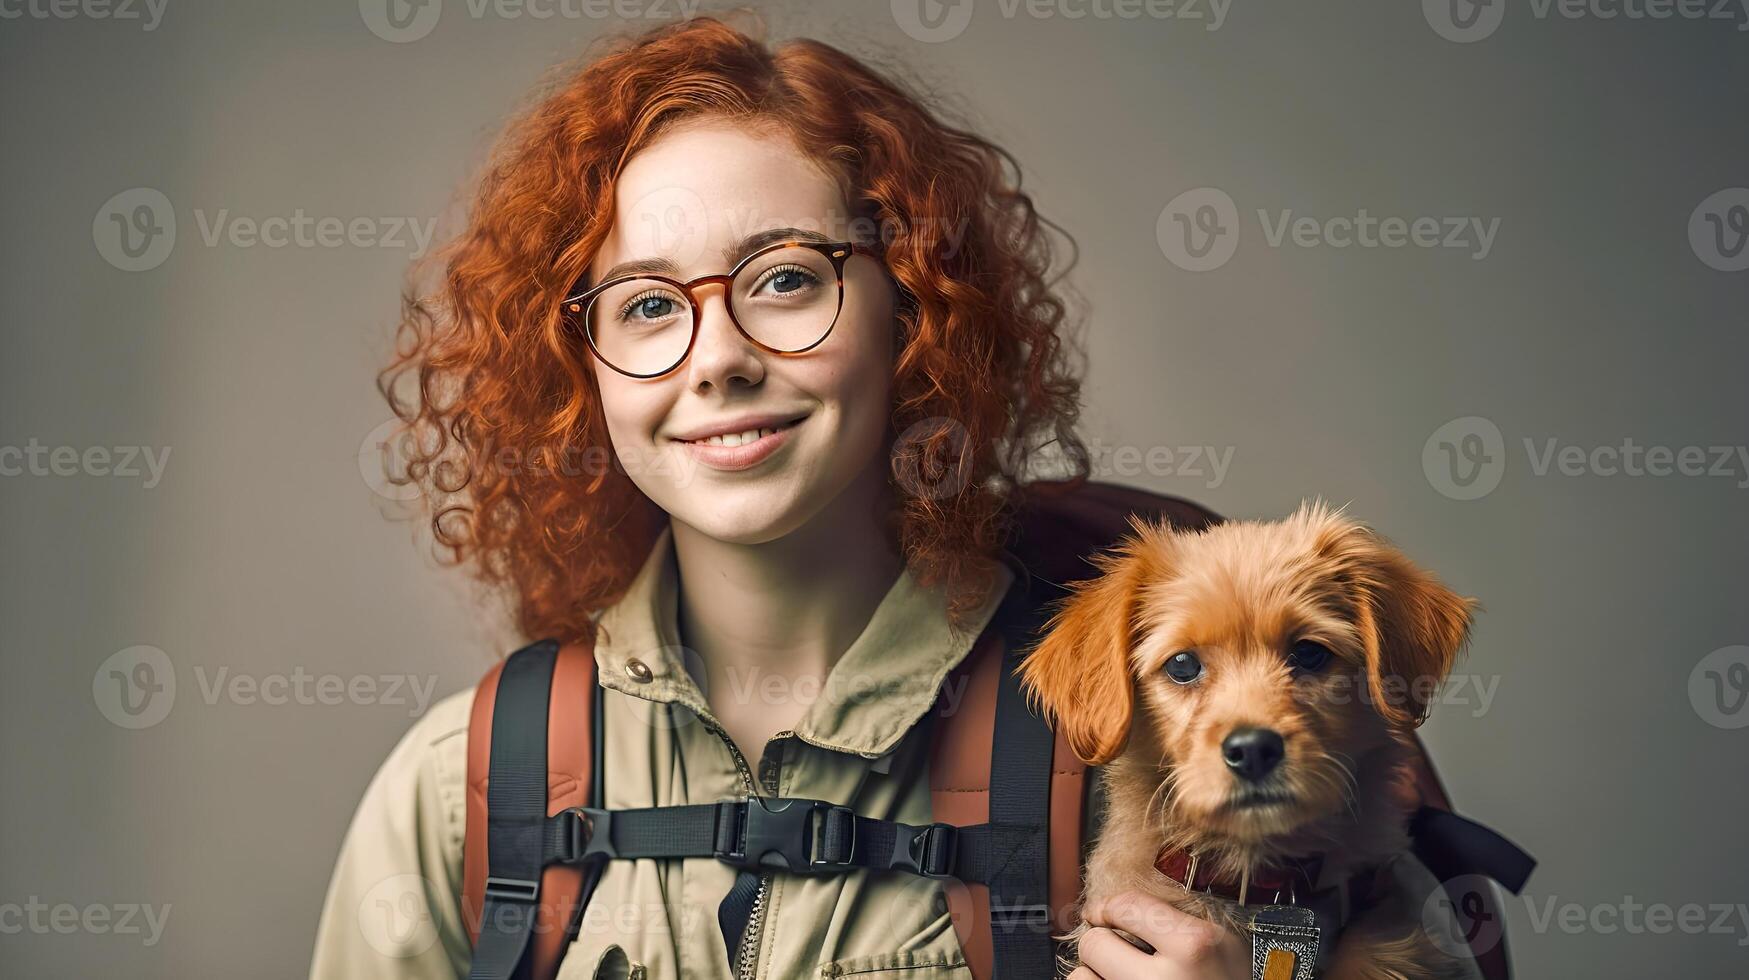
(552, 705)
(965, 748)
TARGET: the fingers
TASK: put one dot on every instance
(1112, 956)
(1082, 973)
(1157, 921)
(1185, 945)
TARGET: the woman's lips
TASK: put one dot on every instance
(741, 457)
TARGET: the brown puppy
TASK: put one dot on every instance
(1250, 691)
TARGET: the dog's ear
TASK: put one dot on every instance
(1411, 625)
(1079, 674)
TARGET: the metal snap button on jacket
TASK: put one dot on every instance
(638, 670)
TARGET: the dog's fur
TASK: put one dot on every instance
(1240, 595)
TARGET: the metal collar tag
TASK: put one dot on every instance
(1284, 943)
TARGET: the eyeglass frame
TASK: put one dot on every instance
(580, 304)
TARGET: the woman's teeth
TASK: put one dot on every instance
(739, 438)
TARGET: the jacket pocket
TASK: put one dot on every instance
(934, 953)
(910, 964)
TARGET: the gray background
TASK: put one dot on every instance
(1323, 371)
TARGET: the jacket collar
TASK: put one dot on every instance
(877, 690)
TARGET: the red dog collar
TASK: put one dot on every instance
(1274, 884)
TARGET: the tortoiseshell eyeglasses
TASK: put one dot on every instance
(785, 298)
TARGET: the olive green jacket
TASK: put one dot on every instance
(393, 908)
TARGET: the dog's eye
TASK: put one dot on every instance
(1183, 667)
(1309, 656)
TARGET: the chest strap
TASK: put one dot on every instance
(789, 833)
(1008, 853)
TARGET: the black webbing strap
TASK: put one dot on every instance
(1452, 846)
(1020, 801)
(516, 811)
(735, 911)
(597, 793)
(797, 834)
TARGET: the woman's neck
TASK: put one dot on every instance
(788, 607)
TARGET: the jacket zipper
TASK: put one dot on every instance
(749, 953)
(750, 939)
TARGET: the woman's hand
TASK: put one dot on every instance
(1185, 947)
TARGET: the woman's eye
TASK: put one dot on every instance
(788, 279)
(650, 306)
(1183, 667)
(1309, 656)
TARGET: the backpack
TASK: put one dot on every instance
(1010, 800)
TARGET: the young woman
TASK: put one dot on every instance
(720, 315)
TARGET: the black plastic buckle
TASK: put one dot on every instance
(929, 851)
(586, 834)
(513, 889)
(1008, 917)
(752, 835)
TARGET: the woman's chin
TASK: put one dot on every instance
(745, 516)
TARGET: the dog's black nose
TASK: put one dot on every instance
(1252, 753)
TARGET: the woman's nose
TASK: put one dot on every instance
(722, 357)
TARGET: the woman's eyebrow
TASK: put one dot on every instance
(759, 239)
(732, 253)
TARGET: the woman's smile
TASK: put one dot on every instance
(739, 444)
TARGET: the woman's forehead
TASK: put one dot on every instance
(700, 188)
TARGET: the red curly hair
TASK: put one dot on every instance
(504, 394)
